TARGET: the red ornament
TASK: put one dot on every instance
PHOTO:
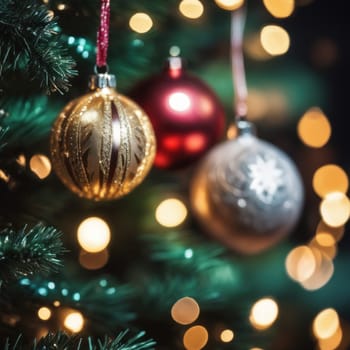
(187, 117)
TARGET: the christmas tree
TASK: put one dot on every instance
(213, 247)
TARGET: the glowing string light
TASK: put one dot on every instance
(171, 212)
(195, 338)
(330, 178)
(314, 128)
(93, 234)
(227, 335)
(280, 8)
(335, 209)
(185, 311)
(40, 165)
(323, 273)
(325, 324)
(229, 5)
(275, 40)
(300, 263)
(191, 8)
(141, 22)
(74, 321)
(44, 313)
(263, 313)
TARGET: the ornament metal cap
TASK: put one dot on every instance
(174, 66)
(174, 62)
(245, 128)
(102, 80)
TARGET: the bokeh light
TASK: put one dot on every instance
(44, 313)
(61, 7)
(323, 273)
(314, 128)
(21, 160)
(254, 49)
(332, 342)
(336, 232)
(325, 239)
(171, 212)
(185, 311)
(195, 338)
(40, 165)
(140, 22)
(275, 40)
(263, 313)
(330, 178)
(174, 51)
(335, 209)
(74, 321)
(93, 234)
(4, 176)
(328, 250)
(93, 261)
(227, 335)
(280, 8)
(191, 8)
(50, 14)
(325, 324)
(232, 132)
(300, 263)
(229, 5)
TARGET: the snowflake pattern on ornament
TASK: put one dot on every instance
(266, 178)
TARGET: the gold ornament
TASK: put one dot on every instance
(102, 144)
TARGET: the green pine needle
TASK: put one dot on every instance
(103, 300)
(62, 341)
(214, 277)
(59, 340)
(120, 343)
(29, 41)
(29, 251)
(28, 120)
(3, 136)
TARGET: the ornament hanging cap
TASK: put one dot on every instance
(245, 128)
(102, 80)
(174, 66)
(174, 62)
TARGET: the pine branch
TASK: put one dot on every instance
(29, 251)
(182, 248)
(29, 41)
(119, 343)
(28, 120)
(214, 278)
(103, 301)
(62, 341)
(3, 132)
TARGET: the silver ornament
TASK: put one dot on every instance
(247, 193)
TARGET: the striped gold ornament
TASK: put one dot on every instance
(102, 145)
